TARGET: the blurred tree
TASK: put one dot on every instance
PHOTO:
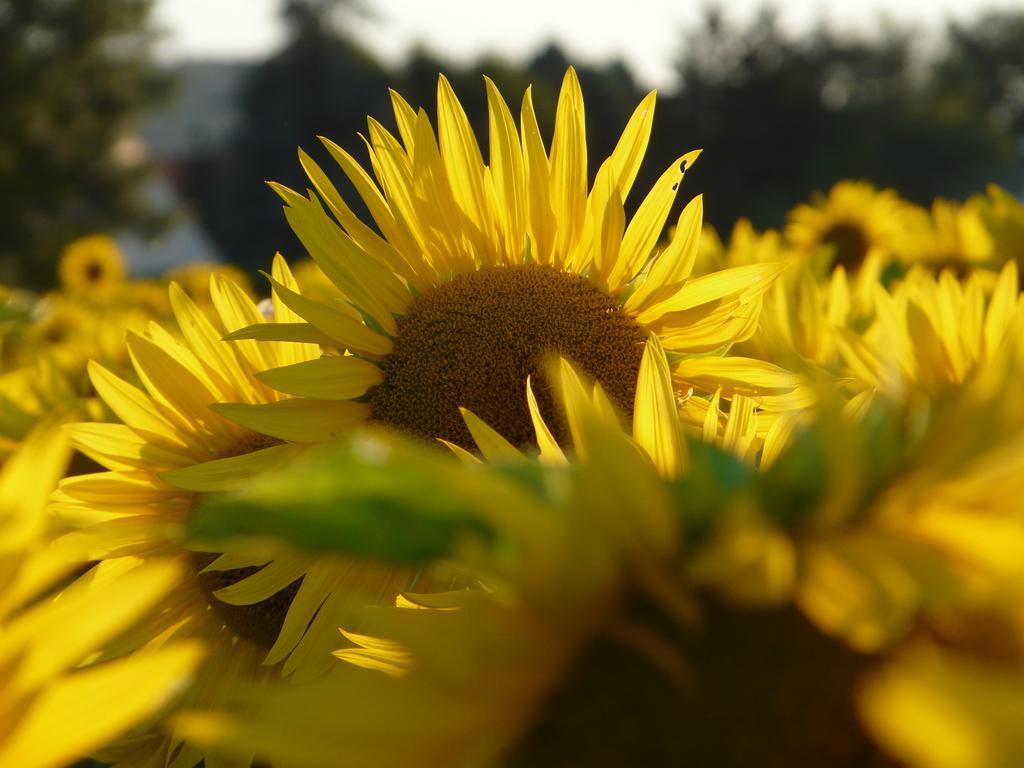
(319, 83)
(981, 72)
(75, 73)
(779, 117)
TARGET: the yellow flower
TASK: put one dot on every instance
(931, 332)
(37, 393)
(484, 663)
(713, 618)
(92, 267)
(952, 236)
(261, 613)
(1003, 215)
(856, 227)
(480, 270)
(51, 712)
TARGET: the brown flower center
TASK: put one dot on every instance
(851, 246)
(473, 342)
(767, 689)
(94, 271)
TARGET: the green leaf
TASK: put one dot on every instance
(372, 495)
(714, 476)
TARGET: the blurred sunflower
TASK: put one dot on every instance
(92, 267)
(482, 270)
(42, 640)
(603, 641)
(932, 333)
(854, 226)
(1003, 215)
(720, 617)
(261, 613)
(745, 246)
(953, 236)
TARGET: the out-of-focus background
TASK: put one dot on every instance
(160, 120)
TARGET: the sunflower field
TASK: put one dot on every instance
(514, 466)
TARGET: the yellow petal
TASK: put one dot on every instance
(646, 226)
(265, 583)
(506, 165)
(236, 311)
(372, 243)
(735, 375)
(550, 450)
(371, 286)
(630, 149)
(177, 384)
(1001, 308)
(219, 359)
(463, 455)
(608, 219)
(121, 446)
(336, 377)
(569, 168)
(52, 637)
(709, 433)
(132, 406)
(86, 710)
(493, 446)
(461, 155)
(301, 420)
(655, 414)
(538, 184)
(375, 202)
(405, 118)
(344, 329)
(749, 281)
(674, 264)
(231, 473)
(300, 333)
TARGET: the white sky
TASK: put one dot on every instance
(643, 32)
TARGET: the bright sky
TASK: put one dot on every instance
(643, 32)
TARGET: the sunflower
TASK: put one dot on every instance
(856, 227)
(92, 267)
(953, 236)
(719, 617)
(260, 612)
(480, 271)
(561, 584)
(1003, 215)
(43, 640)
(932, 333)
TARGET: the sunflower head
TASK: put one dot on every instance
(480, 336)
(483, 269)
(92, 267)
(853, 222)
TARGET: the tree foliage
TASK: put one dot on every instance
(74, 73)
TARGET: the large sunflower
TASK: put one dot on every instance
(261, 613)
(480, 270)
